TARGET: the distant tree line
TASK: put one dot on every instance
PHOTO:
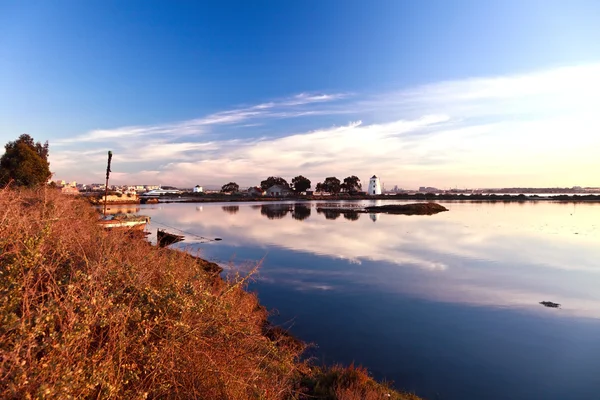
(301, 184)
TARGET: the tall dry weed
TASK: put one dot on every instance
(86, 313)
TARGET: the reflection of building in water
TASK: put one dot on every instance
(374, 217)
(374, 186)
(122, 210)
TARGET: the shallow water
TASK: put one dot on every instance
(446, 305)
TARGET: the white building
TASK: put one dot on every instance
(198, 189)
(279, 191)
(374, 186)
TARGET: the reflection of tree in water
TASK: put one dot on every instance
(275, 211)
(255, 206)
(351, 215)
(329, 213)
(231, 209)
(301, 212)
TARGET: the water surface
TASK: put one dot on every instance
(446, 305)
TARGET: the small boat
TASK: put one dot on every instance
(124, 221)
(164, 238)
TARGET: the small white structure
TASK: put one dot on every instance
(198, 189)
(279, 191)
(160, 192)
(374, 186)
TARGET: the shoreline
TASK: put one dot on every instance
(428, 197)
(411, 197)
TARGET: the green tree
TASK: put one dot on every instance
(352, 184)
(332, 185)
(300, 184)
(273, 180)
(319, 188)
(230, 187)
(25, 162)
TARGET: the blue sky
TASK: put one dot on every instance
(443, 93)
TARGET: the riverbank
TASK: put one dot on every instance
(222, 198)
(90, 313)
(226, 198)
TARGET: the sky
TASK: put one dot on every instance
(460, 93)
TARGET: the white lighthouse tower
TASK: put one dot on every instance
(374, 186)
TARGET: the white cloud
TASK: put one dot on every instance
(537, 129)
(281, 109)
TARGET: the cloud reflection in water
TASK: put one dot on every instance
(497, 254)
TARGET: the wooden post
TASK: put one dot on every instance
(107, 175)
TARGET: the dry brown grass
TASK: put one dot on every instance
(347, 383)
(92, 314)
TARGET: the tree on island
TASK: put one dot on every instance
(351, 184)
(273, 180)
(300, 184)
(331, 185)
(25, 163)
(230, 187)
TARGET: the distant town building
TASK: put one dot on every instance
(428, 189)
(255, 191)
(160, 192)
(69, 190)
(198, 189)
(279, 191)
(374, 186)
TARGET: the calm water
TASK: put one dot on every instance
(446, 306)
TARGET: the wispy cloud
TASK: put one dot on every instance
(286, 108)
(529, 129)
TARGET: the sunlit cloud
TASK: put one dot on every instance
(536, 129)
